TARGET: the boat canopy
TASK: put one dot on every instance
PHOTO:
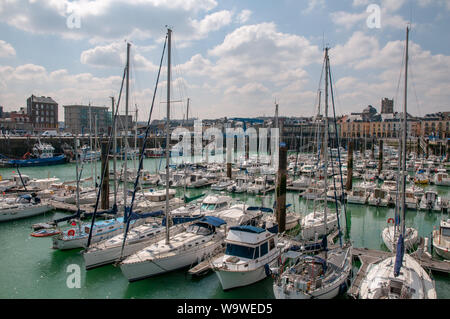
(248, 229)
(263, 209)
(213, 221)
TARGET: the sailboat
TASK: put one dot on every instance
(200, 240)
(323, 276)
(401, 276)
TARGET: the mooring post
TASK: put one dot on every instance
(380, 157)
(281, 188)
(105, 184)
(349, 184)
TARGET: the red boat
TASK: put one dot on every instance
(45, 233)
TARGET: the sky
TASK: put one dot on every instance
(232, 58)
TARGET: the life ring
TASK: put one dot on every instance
(391, 221)
(71, 233)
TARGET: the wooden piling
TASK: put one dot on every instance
(349, 184)
(380, 157)
(281, 189)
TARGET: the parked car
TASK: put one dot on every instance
(66, 134)
(50, 133)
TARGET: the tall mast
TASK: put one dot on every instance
(405, 128)
(114, 151)
(187, 110)
(169, 48)
(325, 149)
(94, 178)
(125, 172)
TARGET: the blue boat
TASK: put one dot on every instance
(42, 156)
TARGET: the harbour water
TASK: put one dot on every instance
(29, 268)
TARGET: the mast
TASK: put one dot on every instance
(125, 172)
(169, 48)
(405, 128)
(114, 152)
(325, 149)
(187, 110)
(94, 179)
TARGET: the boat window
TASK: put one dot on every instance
(256, 253)
(264, 249)
(240, 251)
(446, 232)
(271, 244)
(199, 230)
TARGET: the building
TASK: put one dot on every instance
(436, 125)
(387, 106)
(43, 113)
(80, 119)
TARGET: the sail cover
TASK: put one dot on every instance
(399, 255)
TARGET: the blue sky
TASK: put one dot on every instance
(232, 58)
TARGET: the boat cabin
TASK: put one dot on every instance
(248, 242)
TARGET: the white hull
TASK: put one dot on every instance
(356, 200)
(81, 242)
(234, 279)
(412, 238)
(102, 257)
(157, 266)
(328, 293)
(23, 212)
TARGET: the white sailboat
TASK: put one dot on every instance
(199, 241)
(399, 277)
(22, 207)
(441, 239)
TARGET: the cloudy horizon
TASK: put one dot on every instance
(231, 58)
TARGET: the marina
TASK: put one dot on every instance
(48, 268)
(149, 198)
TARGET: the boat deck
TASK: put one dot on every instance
(370, 256)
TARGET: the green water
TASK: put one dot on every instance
(29, 268)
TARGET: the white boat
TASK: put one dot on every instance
(156, 200)
(313, 225)
(22, 207)
(441, 179)
(441, 239)
(249, 252)
(390, 237)
(379, 198)
(312, 277)
(259, 186)
(108, 251)
(240, 186)
(198, 242)
(431, 201)
(197, 180)
(222, 184)
(399, 277)
(357, 196)
(77, 235)
(413, 281)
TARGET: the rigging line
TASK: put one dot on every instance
(141, 158)
(107, 156)
(339, 156)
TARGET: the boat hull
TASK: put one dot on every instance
(24, 212)
(157, 266)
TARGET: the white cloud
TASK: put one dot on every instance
(313, 4)
(115, 19)
(244, 16)
(6, 49)
(114, 55)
